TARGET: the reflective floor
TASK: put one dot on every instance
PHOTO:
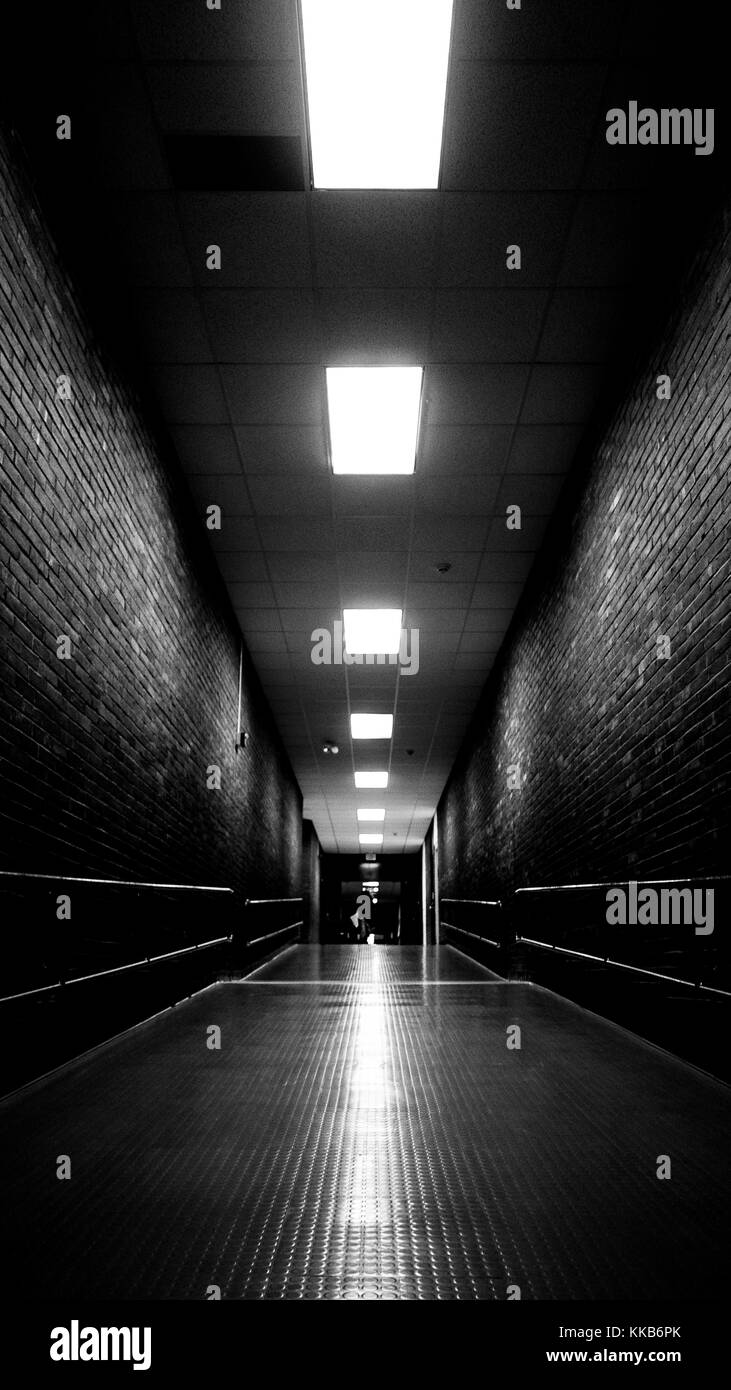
(365, 1132)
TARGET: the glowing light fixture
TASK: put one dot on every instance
(376, 74)
(370, 839)
(371, 813)
(371, 779)
(373, 414)
(371, 725)
(372, 631)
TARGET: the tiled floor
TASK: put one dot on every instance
(364, 1132)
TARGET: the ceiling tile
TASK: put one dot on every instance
(368, 496)
(584, 325)
(370, 530)
(171, 325)
(463, 566)
(261, 99)
(289, 496)
(288, 533)
(502, 595)
(263, 238)
(244, 566)
(258, 595)
(375, 239)
(614, 238)
(270, 30)
(487, 325)
(317, 567)
(535, 494)
(454, 449)
(513, 126)
(124, 147)
(565, 30)
(258, 620)
(239, 533)
(189, 394)
(544, 448)
(506, 566)
(479, 228)
(144, 230)
(439, 595)
(449, 495)
(225, 491)
(282, 449)
(262, 325)
(268, 642)
(361, 327)
(281, 395)
(561, 394)
(358, 567)
(487, 620)
(206, 448)
(528, 537)
(462, 395)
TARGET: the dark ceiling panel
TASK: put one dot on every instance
(563, 30)
(513, 126)
(370, 240)
(176, 30)
(235, 162)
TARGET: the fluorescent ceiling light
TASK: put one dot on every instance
(372, 631)
(371, 883)
(370, 839)
(376, 73)
(374, 417)
(371, 779)
(366, 813)
(371, 725)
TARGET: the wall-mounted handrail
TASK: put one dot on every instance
(464, 932)
(261, 902)
(620, 882)
(269, 936)
(116, 882)
(115, 969)
(475, 902)
(625, 965)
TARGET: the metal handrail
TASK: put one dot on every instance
(269, 936)
(619, 882)
(475, 902)
(463, 930)
(624, 965)
(261, 902)
(116, 882)
(114, 970)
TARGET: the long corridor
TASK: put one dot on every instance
(369, 1128)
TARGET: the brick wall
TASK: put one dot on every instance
(625, 756)
(105, 755)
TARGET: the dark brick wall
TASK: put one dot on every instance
(625, 757)
(311, 881)
(104, 756)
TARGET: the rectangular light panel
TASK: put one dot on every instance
(370, 839)
(371, 725)
(372, 631)
(376, 74)
(371, 813)
(374, 418)
(371, 779)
